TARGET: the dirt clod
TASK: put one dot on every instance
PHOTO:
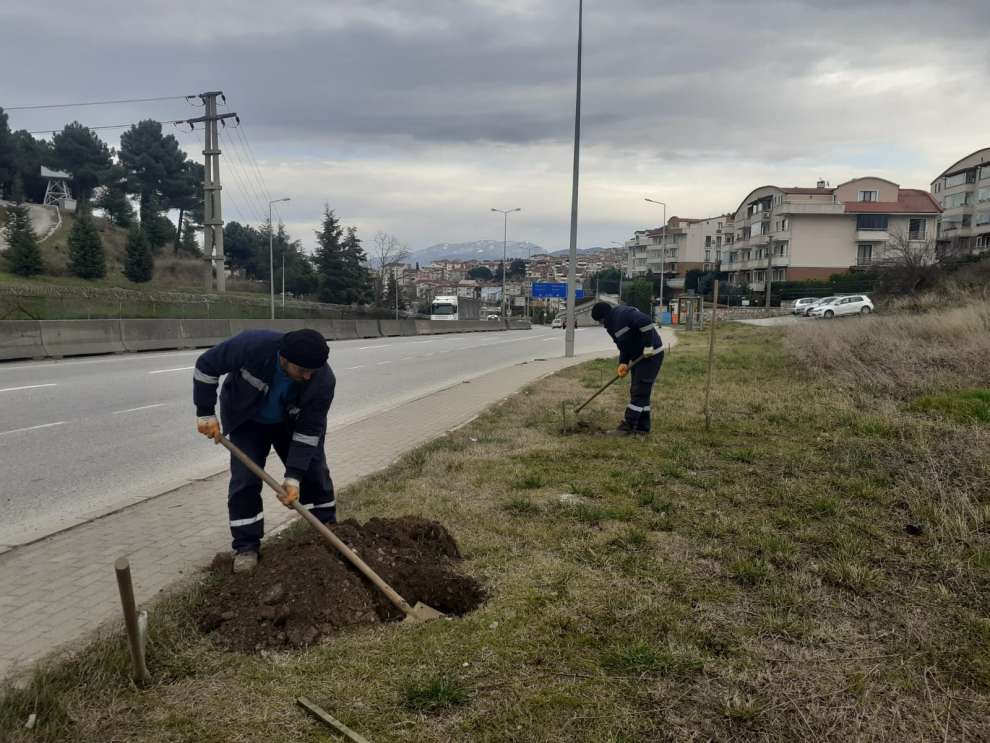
(303, 590)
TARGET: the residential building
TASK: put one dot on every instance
(812, 233)
(681, 246)
(963, 192)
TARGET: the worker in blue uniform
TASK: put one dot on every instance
(635, 335)
(276, 394)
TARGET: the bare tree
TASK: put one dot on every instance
(908, 265)
(387, 252)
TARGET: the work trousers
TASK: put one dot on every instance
(644, 374)
(244, 504)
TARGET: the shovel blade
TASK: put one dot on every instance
(423, 613)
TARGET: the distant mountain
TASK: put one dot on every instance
(484, 250)
(479, 250)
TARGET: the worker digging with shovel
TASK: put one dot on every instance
(277, 394)
(641, 350)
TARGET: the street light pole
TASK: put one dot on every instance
(572, 263)
(505, 241)
(271, 258)
(663, 247)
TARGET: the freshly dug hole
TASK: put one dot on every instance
(303, 589)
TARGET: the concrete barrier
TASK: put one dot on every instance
(150, 335)
(390, 328)
(21, 339)
(81, 337)
(407, 327)
(203, 333)
(520, 325)
(367, 329)
(282, 326)
(342, 330)
(423, 327)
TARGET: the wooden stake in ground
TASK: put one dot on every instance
(711, 358)
(136, 624)
(322, 715)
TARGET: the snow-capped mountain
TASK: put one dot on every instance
(479, 250)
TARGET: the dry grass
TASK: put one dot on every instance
(902, 355)
(756, 582)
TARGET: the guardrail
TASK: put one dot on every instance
(37, 339)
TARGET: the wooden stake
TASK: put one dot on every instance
(322, 715)
(711, 358)
(136, 624)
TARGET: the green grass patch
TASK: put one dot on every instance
(969, 406)
(441, 692)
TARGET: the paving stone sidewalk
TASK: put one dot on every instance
(59, 589)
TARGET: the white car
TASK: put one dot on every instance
(854, 304)
(806, 312)
(493, 317)
(801, 306)
(558, 322)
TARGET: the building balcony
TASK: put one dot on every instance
(811, 207)
(872, 236)
(758, 240)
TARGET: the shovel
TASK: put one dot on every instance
(605, 386)
(414, 614)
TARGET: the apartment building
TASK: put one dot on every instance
(812, 233)
(963, 192)
(680, 246)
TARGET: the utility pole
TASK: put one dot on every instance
(212, 211)
(572, 252)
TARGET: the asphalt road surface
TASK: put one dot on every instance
(82, 437)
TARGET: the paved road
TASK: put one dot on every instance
(79, 438)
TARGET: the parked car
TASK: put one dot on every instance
(809, 307)
(493, 317)
(855, 304)
(801, 306)
(558, 322)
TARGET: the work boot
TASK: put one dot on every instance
(245, 562)
(624, 429)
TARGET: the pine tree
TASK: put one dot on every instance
(355, 260)
(330, 265)
(139, 265)
(393, 292)
(86, 257)
(190, 242)
(23, 254)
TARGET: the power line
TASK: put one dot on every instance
(102, 103)
(109, 126)
(254, 160)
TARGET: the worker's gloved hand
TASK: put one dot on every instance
(209, 426)
(623, 370)
(291, 488)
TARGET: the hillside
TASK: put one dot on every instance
(478, 250)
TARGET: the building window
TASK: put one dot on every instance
(954, 201)
(708, 241)
(708, 256)
(983, 195)
(864, 254)
(967, 176)
(967, 220)
(982, 218)
(780, 249)
(785, 224)
(985, 173)
(719, 225)
(868, 196)
(871, 222)
(780, 274)
(917, 228)
(983, 242)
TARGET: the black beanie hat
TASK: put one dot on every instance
(600, 311)
(305, 348)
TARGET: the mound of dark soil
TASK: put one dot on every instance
(303, 589)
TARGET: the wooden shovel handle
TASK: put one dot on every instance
(346, 551)
(605, 386)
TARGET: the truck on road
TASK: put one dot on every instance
(455, 308)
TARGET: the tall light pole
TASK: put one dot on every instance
(663, 247)
(271, 256)
(572, 264)
(505, 241)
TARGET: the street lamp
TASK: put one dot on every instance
(663, 246)
(505, 241)
(572, 250)
(271, 258)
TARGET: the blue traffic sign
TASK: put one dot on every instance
(553, 290)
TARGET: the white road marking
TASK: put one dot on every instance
(359, 366)
(28, 387)
(404, 358)
(143, 407)
(365, 348)
(383, 362)
(166, 371)
(33, 428)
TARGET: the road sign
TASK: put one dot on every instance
(553, 290)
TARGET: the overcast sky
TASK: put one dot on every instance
(418, 117)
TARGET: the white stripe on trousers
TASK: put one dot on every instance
(248, 521)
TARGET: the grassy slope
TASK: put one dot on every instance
(755, 582)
